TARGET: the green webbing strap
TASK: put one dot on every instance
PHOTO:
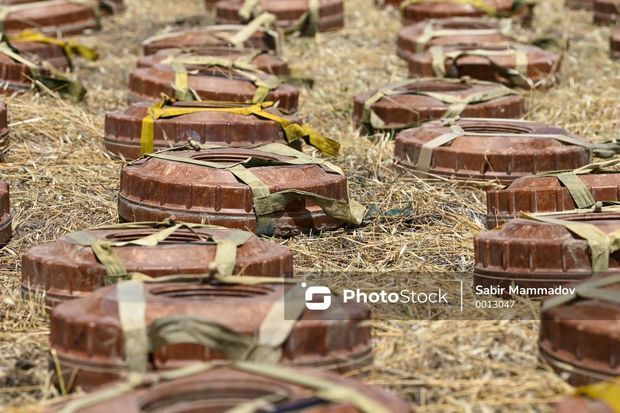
(517, 76)
(429, 32)
(132, 316)
(311, 18)
(262, 22)
(578, 189)
(225, 255)
(249, 9)
(263, 81)
(424, 161)
(136, 381)
(297, 157)
(266, 347)
(601, 245)
(457, 104)
(54, 81)
(324, 389)
(235, 34)
(592, 289)
(266, 203)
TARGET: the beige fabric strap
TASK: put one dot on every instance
(132, 315)
(518, 75)
(578, 189)
(430, 32)
(592, 289)
(274, 330)
(262, 22)
(322, 388)
(225, 256)
(457, 104)
(601, 245)
(426, 151)
(266, 203)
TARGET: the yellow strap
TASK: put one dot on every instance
(292, 130)
(608, 392)
(71, 48)
(478, 4)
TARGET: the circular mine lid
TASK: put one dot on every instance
(489, 149)
(264, 61)
(123, 128)
(415, 101)
(158, 187)
(67, 269)
(580, 333)
(244, 309)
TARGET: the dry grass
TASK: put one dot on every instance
(61, 181)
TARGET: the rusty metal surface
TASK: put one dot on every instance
(4, 138)
(582, 405)
(542, 65)
(469, 28)
(402, 111)
(497, 157)
(43, 52)
(287, 12)
(614, 43)
(210, 36)
(545, 194)
(415, 13)
(579, 4)
(266, 62)
(65, 269)
(533, 254)
(337, 339)
(5, 202)
(581, 339)
(155, 189)
(210, 4)
(216, 83)
(123, 129)
(607, 12)
(53, 19)
(224, 388)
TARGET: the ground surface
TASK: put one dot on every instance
(61, 181)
